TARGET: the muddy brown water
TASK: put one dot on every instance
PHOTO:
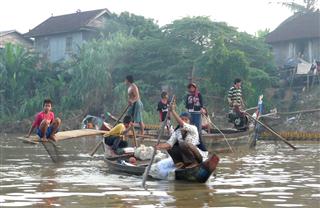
(272, 175)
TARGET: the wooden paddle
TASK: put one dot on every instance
(271, 130)
(164, 123)
(134, 136)
(94, 150)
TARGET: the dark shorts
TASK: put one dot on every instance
(48, 133)
(115, 142)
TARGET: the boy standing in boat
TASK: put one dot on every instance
(182, 145)
(114, 137)
(163, 108)
(45, 123)
(136, 106)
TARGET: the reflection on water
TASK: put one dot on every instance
(270, 176)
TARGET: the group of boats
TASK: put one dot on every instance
(216, 141)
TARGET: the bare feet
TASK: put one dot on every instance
(53, 137)
(43, 139)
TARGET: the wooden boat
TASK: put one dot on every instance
(231, 138)
(199, 174)
(216, 141)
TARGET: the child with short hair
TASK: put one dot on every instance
(45, 122)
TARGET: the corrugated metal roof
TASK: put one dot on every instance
(3, 33)
(65, 23)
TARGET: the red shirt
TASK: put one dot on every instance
(41, 116)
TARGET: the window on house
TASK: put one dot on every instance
(44, 47)
(302, 49)
(68, 44)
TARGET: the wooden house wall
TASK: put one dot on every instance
(55, 47)
(291, 49)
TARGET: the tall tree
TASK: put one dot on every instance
(306, 6)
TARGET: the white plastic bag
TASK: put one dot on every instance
(164, 169)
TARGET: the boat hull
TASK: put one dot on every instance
(215, 141)
(199, 174)
(235, 140)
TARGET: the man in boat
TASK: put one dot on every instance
(163, 108)
(182, 145)
(236, 105)
(194, 105)
(45, 122)
(115, 137)
(235, 95)
(136, 106)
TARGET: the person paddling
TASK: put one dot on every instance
(182, 145)
(45, 123)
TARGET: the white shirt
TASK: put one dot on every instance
(192, 137)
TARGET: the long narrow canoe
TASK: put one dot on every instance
(237, 140)
(199, 174)
(216, 142)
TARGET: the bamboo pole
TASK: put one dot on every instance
(272, 131)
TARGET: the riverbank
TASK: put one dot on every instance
(302, 122)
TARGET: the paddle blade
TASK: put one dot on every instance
(94, 150)
(53, 150)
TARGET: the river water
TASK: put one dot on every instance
(272, 175)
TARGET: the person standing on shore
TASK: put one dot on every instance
(136, 106)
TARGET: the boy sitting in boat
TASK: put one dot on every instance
(182, 145)
(114, 137)
(45, 122)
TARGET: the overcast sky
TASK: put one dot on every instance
(246, 15)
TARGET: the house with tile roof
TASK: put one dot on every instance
(59, 37)
(14, 37)
(298, 37)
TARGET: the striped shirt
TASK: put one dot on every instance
(235, 95)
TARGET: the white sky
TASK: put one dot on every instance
(246, 15)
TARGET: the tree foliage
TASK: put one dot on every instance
(159, 58)
(306, 6)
